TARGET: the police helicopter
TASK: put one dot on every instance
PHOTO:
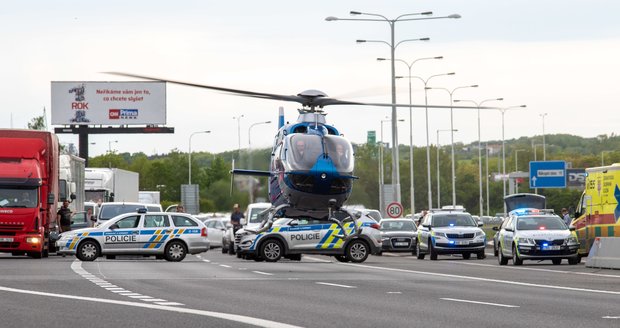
(312, 164)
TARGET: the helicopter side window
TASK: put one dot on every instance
(303, 150)
(341, 153)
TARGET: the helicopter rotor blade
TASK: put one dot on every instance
(253, 94)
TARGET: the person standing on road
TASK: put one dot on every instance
(235, 218)
(64, 217)
(180, 208)
(566, 217)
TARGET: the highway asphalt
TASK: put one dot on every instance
(218, 290)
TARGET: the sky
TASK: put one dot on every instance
(558, 57)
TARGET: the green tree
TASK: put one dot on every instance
(37, 123)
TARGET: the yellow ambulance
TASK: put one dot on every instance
(598, 211)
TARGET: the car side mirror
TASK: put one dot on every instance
(495, 228)
(114, 226)
(293, 223)
(428, 226)
(508, 229)
(480, 224)
(50, 198)
(571, 228)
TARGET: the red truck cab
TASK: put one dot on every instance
(28, 191)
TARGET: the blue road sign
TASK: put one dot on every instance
(548, 174)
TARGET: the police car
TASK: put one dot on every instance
(290, 238)
(165, 235)
(536, 234)
(450, 231)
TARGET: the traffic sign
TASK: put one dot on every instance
(394, 210)
(548, 174)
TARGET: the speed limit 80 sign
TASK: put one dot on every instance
(394, 210)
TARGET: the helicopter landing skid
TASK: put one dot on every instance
(350, 217)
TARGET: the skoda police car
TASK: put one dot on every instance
(289, 238)
(165, 235)
(450, 231)
(535, 234)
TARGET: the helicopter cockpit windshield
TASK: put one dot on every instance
(303, 151)
(341, 153)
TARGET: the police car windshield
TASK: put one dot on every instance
(453, 220)
(540, 223)
(397, 225)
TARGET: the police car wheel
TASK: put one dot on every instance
(495, 251)
(231, 248)
(516, 260)
(574, 260)
(87, 251)
(481, 255)
(341, 258)
(501, 258)
(357, 251)
(271, 250)
(175, 251)
(432, 250)
(556, 261)
(466, 256)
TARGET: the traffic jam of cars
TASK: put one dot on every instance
(529, 232)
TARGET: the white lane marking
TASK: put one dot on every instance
(243, 268)
(225, 266)
(154, 300)
(507, 282)
(206, 261)
(76, 266)
(220, 315)
(263, 273)
(169, 303)
(317, 260)
(335, 285)
(539, 269)
(394, 292)
(482, 303)
(611, 317)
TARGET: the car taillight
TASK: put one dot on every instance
(203, 232)
(375, 226)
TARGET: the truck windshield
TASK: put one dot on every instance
(17, 197)
(95, 196)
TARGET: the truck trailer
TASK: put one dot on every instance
(28, 191)
(111, 185)
(71, 182)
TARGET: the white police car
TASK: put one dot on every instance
(165, 235)
(450, 231)
(535, 234)
(290, 238)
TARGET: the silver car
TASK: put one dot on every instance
(170, 236)
(398, 235)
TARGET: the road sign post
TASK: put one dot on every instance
(548, 174)
(394, 210)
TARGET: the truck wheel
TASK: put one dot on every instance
(432, 250)
(35, 255)
(516, 260)
(271, 250)
(357, 251)
(175, 251)
(87, 251)
(500, 256)
(341, 258)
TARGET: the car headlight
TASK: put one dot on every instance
(526, 241)
(439, 234)
(385, 238)
(479, 234)
(571, 241)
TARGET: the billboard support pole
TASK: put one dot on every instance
(83, 141)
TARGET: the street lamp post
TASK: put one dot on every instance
(438, 178)
(381, 170)
(451, 92)
(251, 184)
(486, 148)
(411, 187)
(392, 23)
(478, 105)
(238, 118)
(544, 143)
(517, 167)
(110, 145)
(189, 155)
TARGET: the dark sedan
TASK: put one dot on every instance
(398, 235)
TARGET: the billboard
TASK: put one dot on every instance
(108, 103)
